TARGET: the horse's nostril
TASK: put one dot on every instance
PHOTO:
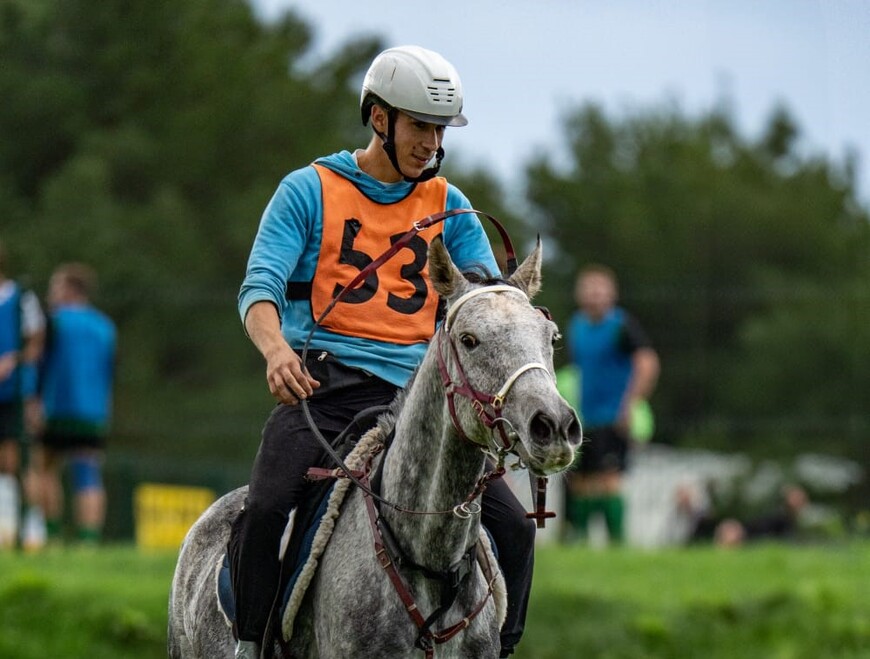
(542, 428)
(573, 430)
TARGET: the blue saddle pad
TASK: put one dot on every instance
(225, 585)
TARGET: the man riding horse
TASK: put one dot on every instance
(325, 223)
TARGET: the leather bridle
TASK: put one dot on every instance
(488, 407)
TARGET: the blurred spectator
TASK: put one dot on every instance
(618, 371)
(76, 388)
(782, 522)
(22, 331)
(692, 505)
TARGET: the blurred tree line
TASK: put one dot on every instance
(747, 261)
(146, 136)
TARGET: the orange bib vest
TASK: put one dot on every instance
(395, 303)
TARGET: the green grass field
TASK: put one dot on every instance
(767, 602)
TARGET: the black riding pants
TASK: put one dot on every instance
(288, 448)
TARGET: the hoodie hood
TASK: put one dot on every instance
(343, 163)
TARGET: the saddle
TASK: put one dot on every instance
(295, 556)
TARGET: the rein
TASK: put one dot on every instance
(390, 557)
(416, 227)
(481, 402)
(462, 509)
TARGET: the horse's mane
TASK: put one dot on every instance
(477, 275)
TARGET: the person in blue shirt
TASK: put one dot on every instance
(76, 387)
(618, 371)
(324, 223)
(22, 331)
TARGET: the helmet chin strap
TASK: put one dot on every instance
(389, 144)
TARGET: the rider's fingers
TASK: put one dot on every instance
(281, 392)
(314, 384)
(289, 382)
(298, 381)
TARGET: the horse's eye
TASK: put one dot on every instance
(469, 341)
(557, 336)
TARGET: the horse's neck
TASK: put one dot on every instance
(429, 468)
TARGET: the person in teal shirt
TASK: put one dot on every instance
(76, 387)
(618, 371)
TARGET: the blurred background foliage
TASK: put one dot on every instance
(146, 136)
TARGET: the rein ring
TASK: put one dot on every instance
(466, 509)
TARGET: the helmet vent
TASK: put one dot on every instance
(441, 91)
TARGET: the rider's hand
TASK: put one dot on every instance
(288, 381)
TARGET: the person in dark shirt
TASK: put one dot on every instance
(618, 371)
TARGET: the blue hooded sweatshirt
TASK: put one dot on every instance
(287, 247)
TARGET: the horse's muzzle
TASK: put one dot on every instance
(544, 430)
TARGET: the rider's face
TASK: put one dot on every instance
(416, 143)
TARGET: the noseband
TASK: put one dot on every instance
(488, 407)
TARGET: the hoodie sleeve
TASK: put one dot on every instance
(465, 238)
(285, 229)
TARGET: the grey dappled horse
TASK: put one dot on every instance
(493, 340)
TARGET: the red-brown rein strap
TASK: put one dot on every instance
(428, 638)
(541, 514)
(418, 226)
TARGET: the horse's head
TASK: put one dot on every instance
(496, 360)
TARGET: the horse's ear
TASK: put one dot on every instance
(528, 276)
(445, 276)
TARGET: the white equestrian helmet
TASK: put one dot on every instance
(417, 81)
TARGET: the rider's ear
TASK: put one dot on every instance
(528, 276)
(445, 276)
